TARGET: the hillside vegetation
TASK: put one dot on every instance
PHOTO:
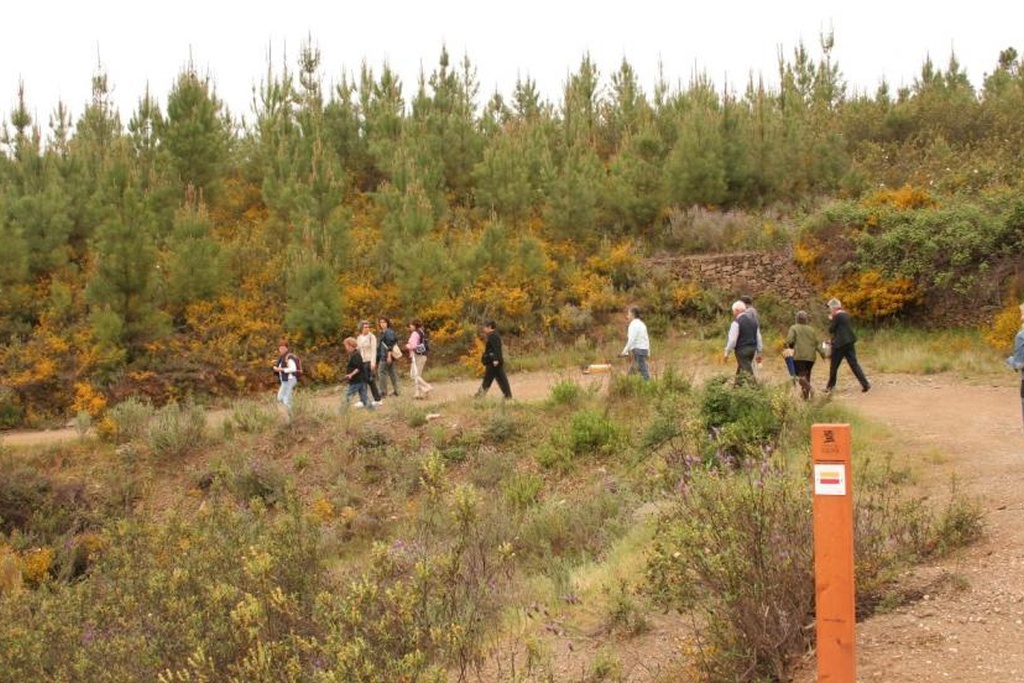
(390, 546)
(162, 252)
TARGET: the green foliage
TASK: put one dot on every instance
(129, 420)
(522, 489)
(755, 592)
(742, 420)
(259, 479)
(176, 429)
(566, 392)
(213, 593)
(553, 534)
(314, 303)
(251, 416)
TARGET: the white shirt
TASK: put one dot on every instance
(636, 337)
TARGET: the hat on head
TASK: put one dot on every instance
(833, 303)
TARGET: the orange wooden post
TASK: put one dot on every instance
(833, 553)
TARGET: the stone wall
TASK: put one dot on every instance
(776, 275)
(748, 272)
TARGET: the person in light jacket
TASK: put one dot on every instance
(286, 370)
(1016, 361)
(417, 350)
(638, 344)
(367, 343)
(745, 340)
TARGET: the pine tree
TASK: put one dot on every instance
(123, 287)
(196, 134)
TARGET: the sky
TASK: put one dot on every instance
(55, 48)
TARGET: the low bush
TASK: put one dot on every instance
(522, 489)
(565, 392)
(740, 421)
(129, 419)
(754, 592)
(251, 417)
(175, 430)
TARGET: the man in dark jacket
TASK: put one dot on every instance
(843, 346)
(493, 362)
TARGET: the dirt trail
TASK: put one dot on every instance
(971, 628)
(968, 629)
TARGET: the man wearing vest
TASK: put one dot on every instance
(745, 340)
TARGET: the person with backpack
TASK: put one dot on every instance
(388, 353)
(367, 343)
(286, 367)
(418, 348)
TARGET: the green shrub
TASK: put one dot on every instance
(12, 413)
(260, 479)
(589, 432)
(740, 421)
(83, 423)
(251, 417)
(186, 598)
(130, 419)
(503, 428)
(175, 430)
(565, 392)
(573, 533)
(631, 387)
(754, 591)
(522, 489)
(594, 432)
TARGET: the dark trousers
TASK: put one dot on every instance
(803, 375)
(850, 354)
(1022, 395)
(745, 360)
(495, 372)
(386, 371)
(371, 382)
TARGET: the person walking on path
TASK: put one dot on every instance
(367, 343)
(286, 368)
(1016, 361)
(802, 340)
(843, 346)
(418, 350)
(494, 362)
(355, 375)
(638, 344)
(387, 350)
(745, 340)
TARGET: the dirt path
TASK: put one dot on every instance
(970, 628)
(970, 625)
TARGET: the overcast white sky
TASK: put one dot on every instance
(54, 47)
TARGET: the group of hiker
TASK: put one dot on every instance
(372, 359)
(802, 346)
(372, 362)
